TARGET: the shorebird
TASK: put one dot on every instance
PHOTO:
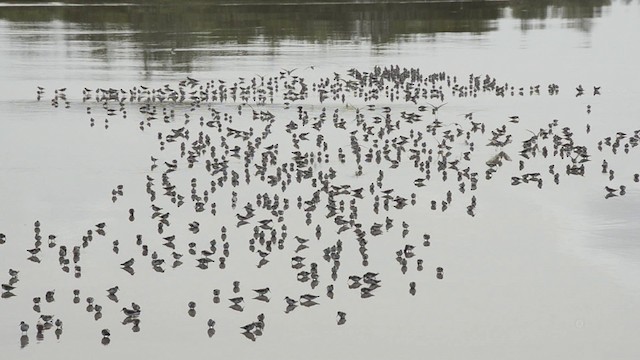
(262, 291)
(248, 327)
(237, 300)
(46, 318)
(288, 71)
(24, 327)
(128, 263)
(130, 312)
(290, 301)
(308, 297)
(301, 240)
(34, 251)
(369, 276)
(113, 290)
(434, 109)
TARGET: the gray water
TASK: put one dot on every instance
(536, 273)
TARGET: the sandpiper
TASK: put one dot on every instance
(262, 291)
(308, 297)
(113, 290)
(237, 300)
(24, 327)
(130, 312)
(128, 263)
(290, 301)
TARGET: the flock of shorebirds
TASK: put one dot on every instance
(294, 150)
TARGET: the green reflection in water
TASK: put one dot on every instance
(156, 27)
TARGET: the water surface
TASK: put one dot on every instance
(536, 273)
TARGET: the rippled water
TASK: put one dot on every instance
(536, 273)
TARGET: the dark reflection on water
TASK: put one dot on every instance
(580, 11)
(166, 23)
(380, 22)
(176, 33)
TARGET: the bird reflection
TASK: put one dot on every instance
(131, 320)
(24, 341)
(40, 331)
(129, 270)
(365, 293)
(262, 263)
(308, 303)
(249, 335)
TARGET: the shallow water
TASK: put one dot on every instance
(536, 273)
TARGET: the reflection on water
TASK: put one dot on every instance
(173, 32)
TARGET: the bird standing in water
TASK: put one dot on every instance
(24, 327)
